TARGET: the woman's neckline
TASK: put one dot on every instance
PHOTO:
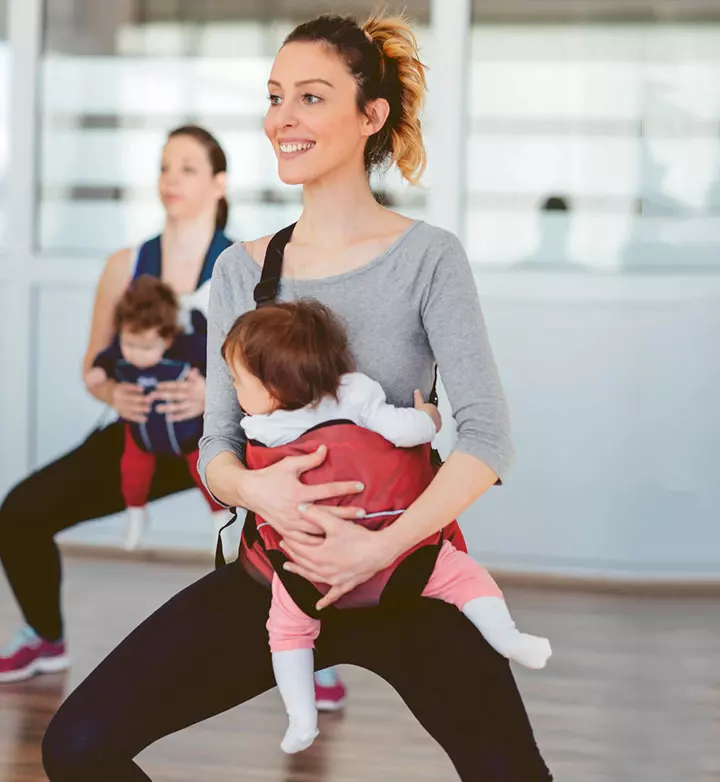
(201, 269)
(391, 248)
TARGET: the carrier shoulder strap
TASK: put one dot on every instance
(266, 290)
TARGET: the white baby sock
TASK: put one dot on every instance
(294, 674)
(137, 519)
(492, 618)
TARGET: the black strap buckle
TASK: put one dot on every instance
(265, 291)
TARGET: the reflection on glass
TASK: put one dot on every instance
(117, 76)
(618, 115)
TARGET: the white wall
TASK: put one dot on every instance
(613, 385)
(13, 430)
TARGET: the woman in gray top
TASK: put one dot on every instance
(343, 98)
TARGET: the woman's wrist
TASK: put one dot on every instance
(392, 544)
(103, 392)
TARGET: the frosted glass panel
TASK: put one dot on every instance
(594, 145)
(113, 85)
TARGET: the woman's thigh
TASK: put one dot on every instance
(456, 685)
(203, 652)
(81, 485)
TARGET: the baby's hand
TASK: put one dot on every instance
(431, 410)
(95, 377)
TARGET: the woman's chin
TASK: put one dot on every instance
(289, 177)
(179, 211)
(297, 172)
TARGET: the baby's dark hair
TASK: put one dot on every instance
(298, 350)
(147, 304)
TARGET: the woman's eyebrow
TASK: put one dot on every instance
(303, 82)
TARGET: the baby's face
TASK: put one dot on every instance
(252, 395)
(142, 348)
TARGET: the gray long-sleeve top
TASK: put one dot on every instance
(415, 304)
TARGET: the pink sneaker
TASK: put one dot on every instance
(28, 654)
(330, 692)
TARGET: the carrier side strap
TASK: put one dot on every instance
(266, 290)
(219, 556)
(433, 398)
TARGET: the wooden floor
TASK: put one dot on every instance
(632, 694)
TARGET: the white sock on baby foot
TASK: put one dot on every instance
(297, 738)
(294, 674)
(532, 651)
(137, 519)
(492, 618)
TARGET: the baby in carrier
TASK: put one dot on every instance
(293, 374)
(150, 348)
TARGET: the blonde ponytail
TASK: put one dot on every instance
(404, 80)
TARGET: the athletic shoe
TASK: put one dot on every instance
(330, 692)
(28, 654)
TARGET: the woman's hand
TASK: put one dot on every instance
(130, 402)
(347, 555)
(184, 399)
(94, 378)
(276, 493)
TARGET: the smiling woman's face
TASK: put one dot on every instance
(313, 121)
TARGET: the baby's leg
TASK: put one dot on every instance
(137, 468)
(459, 580)
(292, 639)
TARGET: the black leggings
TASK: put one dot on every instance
(83, 484)
(206, 650)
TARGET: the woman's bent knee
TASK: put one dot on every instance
(71, 751)
(15, 509)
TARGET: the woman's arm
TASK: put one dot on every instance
(112, 284)
(483, 453)
(222, 446)
(455, 327)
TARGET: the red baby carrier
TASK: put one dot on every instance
(393, 477)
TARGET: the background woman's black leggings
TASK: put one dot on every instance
(206, 650)
(83, 484)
